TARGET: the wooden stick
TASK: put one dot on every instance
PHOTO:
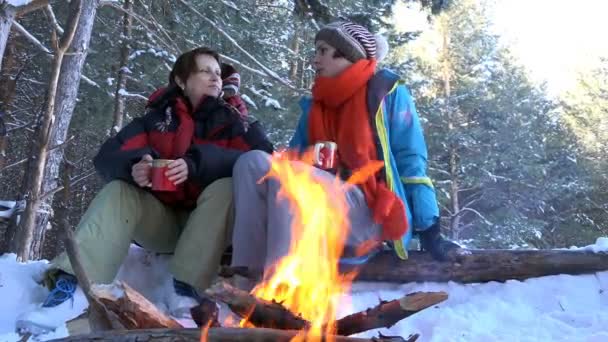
(99, 318)
(213, 335)
(386, 314)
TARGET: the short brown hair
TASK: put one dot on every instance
(185, 65)
(338, 54)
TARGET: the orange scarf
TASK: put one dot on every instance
(339, 113)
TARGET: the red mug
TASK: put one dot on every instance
(325, 155)
(160, 182)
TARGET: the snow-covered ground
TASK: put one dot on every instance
(554, 308)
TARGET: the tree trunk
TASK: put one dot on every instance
(482, 266)
(123, 71)
(453, 152)
(212, 335)
(34, 222)
(294, 61)
(2, 142)
(454, 195)
(30, 235)
(8, 76)
(7, 14)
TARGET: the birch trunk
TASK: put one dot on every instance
(7, 14)
(67, 92)
(61, 98)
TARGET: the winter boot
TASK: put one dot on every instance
(432, 242)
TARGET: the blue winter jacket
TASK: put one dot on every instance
(400, 144)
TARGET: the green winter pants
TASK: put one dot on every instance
(122, 213)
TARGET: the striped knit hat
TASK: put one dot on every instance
(231, 80)
(354, 41)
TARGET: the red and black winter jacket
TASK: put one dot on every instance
(210, 140)
(237, 102)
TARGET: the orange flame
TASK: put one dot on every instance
(205, 332)
(307, 281)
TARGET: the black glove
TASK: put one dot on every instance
(432, 242)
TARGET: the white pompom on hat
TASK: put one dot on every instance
(382, 47)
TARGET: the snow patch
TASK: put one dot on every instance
(553, 308)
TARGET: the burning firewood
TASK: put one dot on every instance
(133, 310)
(386, 314)
(264, 314)
(216, 335)
(259, 312)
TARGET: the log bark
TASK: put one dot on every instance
(482, 266)
(132, 309)
(259, 312)
(214, 335)
(387, 314)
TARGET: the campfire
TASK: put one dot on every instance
(306, 284)
(298, 299)
(307, 281)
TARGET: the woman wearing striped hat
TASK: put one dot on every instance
(371, 116)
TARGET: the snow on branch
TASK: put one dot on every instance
(125, 93)
(249, 101)
(51, 13)
(244, 66)
(464, 210)
(89, 81)
(443, 172)
(265, 96)
(10, 208)
(27, 6)
(282, 47)
(166, 40)
(30, 37)
(230, 4)
(17, 3)
(41, 46)
(240, 48)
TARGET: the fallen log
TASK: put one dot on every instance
(215, 335)
(386, 314)
(132, 309)
(259, 312)
(482, 266)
